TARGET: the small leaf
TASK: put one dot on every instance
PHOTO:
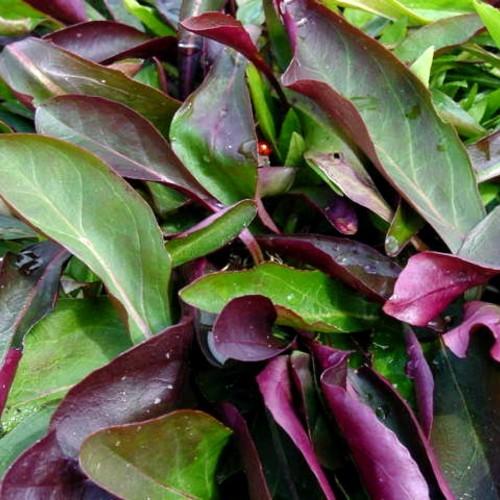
(422, 65)
(173, 456)
(64, 191)
(148, 17)
(13, 229)
(485, 156)
(211, 234)
(404, 226)
(303, 299)
(491, 19)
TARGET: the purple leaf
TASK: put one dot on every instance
(477, 315)
(68, 11)
(243, 330)
(140, 384)
(275, 387)
(429, 282)
(418, 369)
(357, 264)
(273, 181)
(257, 484)
(385, 465)
(108, 41)
(8, 370)
(485, 157)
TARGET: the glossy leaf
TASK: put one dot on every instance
(214, 134)
(31, 67)
(303, 299)
(211, 234)
(122, 138)
(68, 11)
(78, 337)
(491, 18)
(275, 387)
(143, 383)
(243, 330)
(358, 265)
(391, 95)
(476, 315)
(485, 157)
(429, 282)
(148, 17)
(442, 34)
(107, 41)
(65, 199)
(405, 224)
(275, 180)
(13, 229)
(173, 456)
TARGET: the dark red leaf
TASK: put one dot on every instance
(429, 282)
(275, 387)
(243, 330)
(359, 265)
(68, 11)
(108, 41)
(257, 484)
(477, 315)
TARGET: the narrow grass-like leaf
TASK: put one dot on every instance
(63, 191)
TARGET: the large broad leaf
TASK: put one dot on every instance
(303, 299)
(39, 69)
(389, 114)
(174, 456)
(441, 34)
(64, 191)
(68, 11)
(125, 140)
(107, 41)
(143, 383)
(465, 432)
(78, 337)
(214, 133)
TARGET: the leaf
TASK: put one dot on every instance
(273, 181)
(213, 133)
(122, 138)
(212, 233)
(357, 264)
(257, 484)
(491, 19)
(32, 67)
(303, 299)
(13, 229)
(443, 34)
(485, 157)
(404, 226)
(143, 383)
(65, 197)
(274, 385)
(148, 17)
(109, 41)
(476, 315)
(429, 282)
(68, 11)
(17, 19)
(465, 421)
(389, 95)
(75, 339)
(173, 456)
(422, 65)
(243, 331)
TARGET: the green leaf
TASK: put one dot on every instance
(211, 236)
(405, 224)
(296, 148)
(17, 18)
(422, 65)
(170, 457)
(148, 17)
(491, 19)
(388, 112)
(303, 299)
(13, 229)
(79, 336)
(213, 133)
(75, 199)
(33, 67)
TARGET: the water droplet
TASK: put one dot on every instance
(170, 386)
(117, 443)
(391, 246)
(103, 81)
(301, 22)
(157, 401)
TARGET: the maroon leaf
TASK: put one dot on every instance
(477, 315)
(385, 465)
(229, 31)
(275, 387)
(257, 484)
(429, 282)
(357, 264)
(243, 330)
(68, 11)
(108, 41)
(418, 369)
(8, 370)
(140, 384)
